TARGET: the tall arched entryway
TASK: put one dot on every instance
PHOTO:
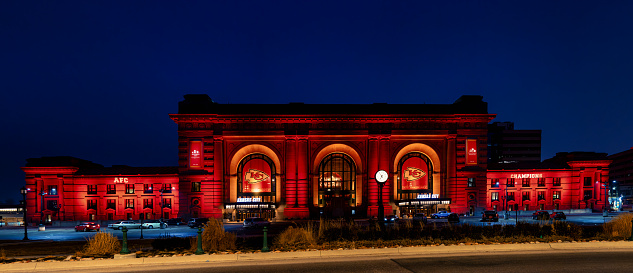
(337, 185)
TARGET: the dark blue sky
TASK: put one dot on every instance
(97, 79)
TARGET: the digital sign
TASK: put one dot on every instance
(415, 174)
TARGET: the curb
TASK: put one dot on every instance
(325, 254)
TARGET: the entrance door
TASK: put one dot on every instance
(337, 185)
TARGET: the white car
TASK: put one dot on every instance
(127, 224)
(152, 224)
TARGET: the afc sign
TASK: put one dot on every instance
(120, 180)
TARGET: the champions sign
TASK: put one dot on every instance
(415, 174)
(256, 176)
(195, 154)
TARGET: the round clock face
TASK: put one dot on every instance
(381, 176)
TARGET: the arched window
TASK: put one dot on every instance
(256, 178)
(337, 178)
(415, 175)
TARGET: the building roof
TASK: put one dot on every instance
(559, 161)
(127, 170)
(61, 161)
(203, 104)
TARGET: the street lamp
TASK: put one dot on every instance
(42, 193)
(605, 211)
(23, 191)
(162, 226)
(381, 178)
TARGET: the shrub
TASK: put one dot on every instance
(102, 244)
(168, 242)
(619, 227)
(295, 238)
(214, 238)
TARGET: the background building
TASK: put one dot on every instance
(507, 145)
(621, 179)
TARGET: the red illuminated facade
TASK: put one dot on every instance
(300, 161)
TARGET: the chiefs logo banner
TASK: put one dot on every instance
(414, 174)
(256, 174)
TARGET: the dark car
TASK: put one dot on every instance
(540, 215)
(453, 218)
(558, 215)
(175, 222)
(420, 217)
(489, 216)
(391, 219)
(87, 226)
(255, 222)
(197, 222)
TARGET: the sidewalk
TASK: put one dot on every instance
(310, 256)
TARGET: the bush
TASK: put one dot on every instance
(295, 238)
(619, 227)
(168, 242)
(214, 238)
(102, 244)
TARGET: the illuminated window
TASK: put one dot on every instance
(257, 178)
(147, 188)
(111, 189)
(111, 204)
(166, 188)
(471, 182)
(541, 182)
(510, 182)
(525, 182)
(129, 203)
(195, 187)
(148, 203)
(415, 176)
(167, 203)
(588, 194)
(526, 196)
(92, 204)
(494, 196)
(587, 182)
(52, 190)
(510, 196)
(541, 195)
(494, 183)
(556, 195)
(129, 188)
(337, 178)
(556, 181)
(92, 189)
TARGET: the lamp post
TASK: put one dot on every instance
(505, 216)
(42, 193)
(161, 208)
(23, 191)
(605, 211)
(381, 178)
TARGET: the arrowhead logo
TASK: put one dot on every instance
(412, 174)
(254, 176)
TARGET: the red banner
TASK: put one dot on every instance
(256, 176)
(195, 154)
(415, 174)
(471, 151)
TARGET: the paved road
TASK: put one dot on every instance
(577, 261)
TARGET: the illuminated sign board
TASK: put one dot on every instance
(526, 175)
(195, 154)
(120, 180)
(471, 151)
(428, 196)
(415, 174)
(248, 199)
(256, 176)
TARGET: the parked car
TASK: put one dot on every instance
(440, 214)
(489, 216)
(558, 215)
(391, 219)
(255, 222)
(176, 222)
(127, 224)
(87, 226)
(421, 217)
(453, 218)
(540, 215)
(152, 224)
(197, 222)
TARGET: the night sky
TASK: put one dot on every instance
(97, 79)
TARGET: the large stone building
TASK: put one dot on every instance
(291, 161)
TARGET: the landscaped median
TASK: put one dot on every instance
(311, 255)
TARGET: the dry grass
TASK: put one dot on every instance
(619, 227)
(296, 238)
(102, 244)
(214, 238)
